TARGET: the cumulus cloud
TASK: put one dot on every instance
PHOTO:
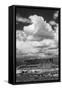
(39, 27)
(20, 35)
(23, 20)
(37, 38)
(52, 22)
(55, 16)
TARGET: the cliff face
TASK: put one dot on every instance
(34, 62)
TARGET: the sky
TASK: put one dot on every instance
(26, 12)
(35, 36)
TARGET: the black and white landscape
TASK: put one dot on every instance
(37, 50)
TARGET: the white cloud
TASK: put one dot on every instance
(56, 33)
(27, 47)
(37, 38)
(39, 27)
(21, 19)
(55, 16)
(52, 22)
(33, 47)
(20, 35)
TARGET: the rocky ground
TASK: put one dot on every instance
(47, 72)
